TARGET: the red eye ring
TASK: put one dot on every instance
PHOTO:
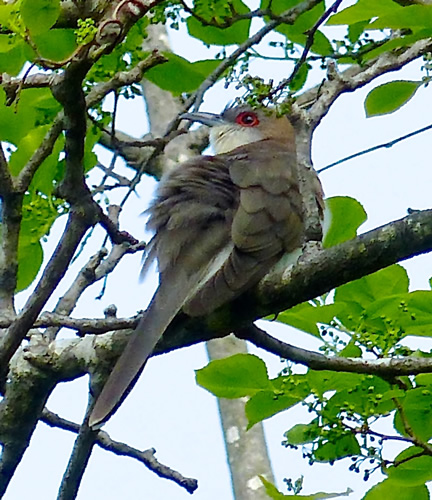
(247, 119)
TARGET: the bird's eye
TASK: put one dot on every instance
(247, 119)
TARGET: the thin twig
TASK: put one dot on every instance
(99, 265)
(426, 447)
(309, 42)
(288, 17)
(387, 145)
(146, 457)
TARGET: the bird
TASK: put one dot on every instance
(220, 223)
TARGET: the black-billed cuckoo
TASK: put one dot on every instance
(220, 222)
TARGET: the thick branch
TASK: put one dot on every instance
(76, 227)
(24, 399)
(10, 228)
(315, 275)
(283, 288)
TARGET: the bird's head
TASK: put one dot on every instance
(240, 125)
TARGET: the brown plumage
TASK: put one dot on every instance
(220, 222)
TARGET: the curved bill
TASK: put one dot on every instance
(209, 119)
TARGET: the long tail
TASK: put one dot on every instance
(168, 300)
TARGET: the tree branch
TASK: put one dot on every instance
(146, 457)
(76, 227)
(283, 288)
(11, 211)
(79, 458)
(386, 145)
(385, 367)
(318, 273)
(324, 95)
(6, 184)
(309, 42)
(26, 395)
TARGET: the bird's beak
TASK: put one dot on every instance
(209, 119)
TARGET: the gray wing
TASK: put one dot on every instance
(267, 222)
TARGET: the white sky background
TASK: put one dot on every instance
(167, 410)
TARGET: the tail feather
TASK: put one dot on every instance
(163, 308)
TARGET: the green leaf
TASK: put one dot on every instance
(345, 446)
(302, 433)
(300, 78)
(417, 407)
(271, 489)
(12, 56)
(275, 494)
(179, 75)
(211, 35)
(410, 17)
(39, 15)
(30, 258)
(306, 316)
(284, 393)
(36, 107)
(39, 214)
(395, 43)
(344, 215)
(323, 381)
(366, 398)
(10, 18)
(410, 312)
(413, 472)
(363, 10)
(389, 97)
(27, 147)
(15, 123)
(356, 30)
(389, 281)
(297, 33)
(423, 379)
(392, 489)
(351, 351)
(321, 44)
(234, 377)
(43, 180)
(56, 45)
(265, 404)
(279, 6)
(304, 22)
(90, 157)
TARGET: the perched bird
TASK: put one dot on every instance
(220, 222)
